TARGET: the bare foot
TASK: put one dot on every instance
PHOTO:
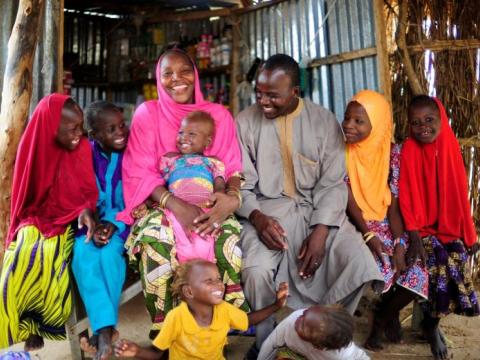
(437, 345)
(374, 340)
(89, 345)
(393, 330)
(34, 342)
(104, 344)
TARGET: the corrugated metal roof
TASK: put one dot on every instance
(125, 7)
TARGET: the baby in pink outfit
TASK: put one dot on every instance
(193, 177)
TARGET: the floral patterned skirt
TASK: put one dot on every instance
(415, 278)
(451, 289)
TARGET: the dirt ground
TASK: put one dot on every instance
(463, 335)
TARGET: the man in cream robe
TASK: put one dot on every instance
(294, 201)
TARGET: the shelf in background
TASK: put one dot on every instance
(218, 70)
(114, 85)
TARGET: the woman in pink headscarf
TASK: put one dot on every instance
(151, 243)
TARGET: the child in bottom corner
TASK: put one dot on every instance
(198, 327)
(436, 211)
(99, 265)
(316, 333)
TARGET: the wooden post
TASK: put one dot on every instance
(383, 66)
(401, 39)
(17, 91)
(60, 43)
(52, 46)
(48, 62)
(8, 9)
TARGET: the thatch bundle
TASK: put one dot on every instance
(442, 42)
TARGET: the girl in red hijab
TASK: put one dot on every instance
(436, 211)
(53, 185)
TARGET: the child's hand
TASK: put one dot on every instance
(126, 348)
(86, 219)
(282, 294)
(415, 251)
(474, 249)
(103, 233)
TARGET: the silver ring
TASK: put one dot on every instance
(215, 225)
(316, 264)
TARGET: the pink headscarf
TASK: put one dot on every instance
(153, 133)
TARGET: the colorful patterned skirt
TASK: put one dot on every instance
(415, 278)
(451, 289)
(151, 250)
(35, 287)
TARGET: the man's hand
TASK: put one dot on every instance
(269, 230)
(312, 251)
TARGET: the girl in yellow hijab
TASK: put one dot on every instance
(373, 168)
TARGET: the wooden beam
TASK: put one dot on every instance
(342, 57)
(259, 6)
(383, 65)
(17, 91)
(474, 141)
(441, 45)
(171, 16)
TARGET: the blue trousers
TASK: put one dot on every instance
(100, 274)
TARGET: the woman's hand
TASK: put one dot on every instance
(185, 213)
(399, 263)
(377, 248)
(312, 251)
(209, 223)
(86, 219)
(416, 251)
(269, 230)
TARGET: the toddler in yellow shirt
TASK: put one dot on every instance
(198, 327)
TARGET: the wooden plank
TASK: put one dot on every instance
(77, 326)
(441, 45)
(383, 66)
(17, 92)
(342, 57)
(170, 16)
(259, 6)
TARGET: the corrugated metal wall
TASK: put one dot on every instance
(293, 27)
